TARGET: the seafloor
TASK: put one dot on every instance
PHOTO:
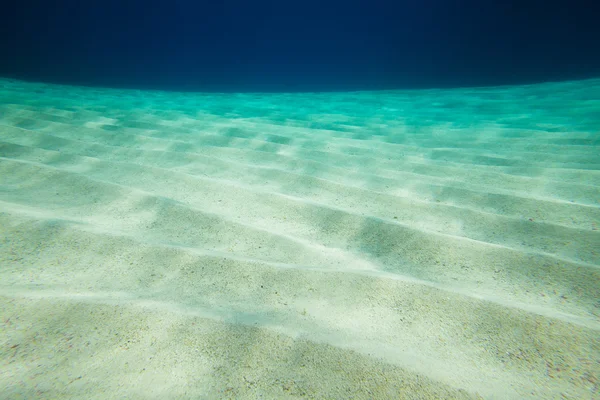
(368, 245)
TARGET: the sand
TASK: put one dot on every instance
(422, 244)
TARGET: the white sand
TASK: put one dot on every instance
(419, 244)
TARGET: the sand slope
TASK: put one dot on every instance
(418, 244)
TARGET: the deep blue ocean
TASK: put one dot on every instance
(316, 45)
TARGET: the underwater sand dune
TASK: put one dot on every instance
(402, 244)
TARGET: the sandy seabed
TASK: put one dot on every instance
(430, 244)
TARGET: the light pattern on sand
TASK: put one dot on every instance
(426, 244)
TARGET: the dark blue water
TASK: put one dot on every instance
(298, 45)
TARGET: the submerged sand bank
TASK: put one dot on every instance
(421, 244)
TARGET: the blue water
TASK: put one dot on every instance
(298, 46)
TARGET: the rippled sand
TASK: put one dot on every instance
(402, 244)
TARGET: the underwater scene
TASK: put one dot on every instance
(252, 240)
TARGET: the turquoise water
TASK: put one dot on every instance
(387, 244)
